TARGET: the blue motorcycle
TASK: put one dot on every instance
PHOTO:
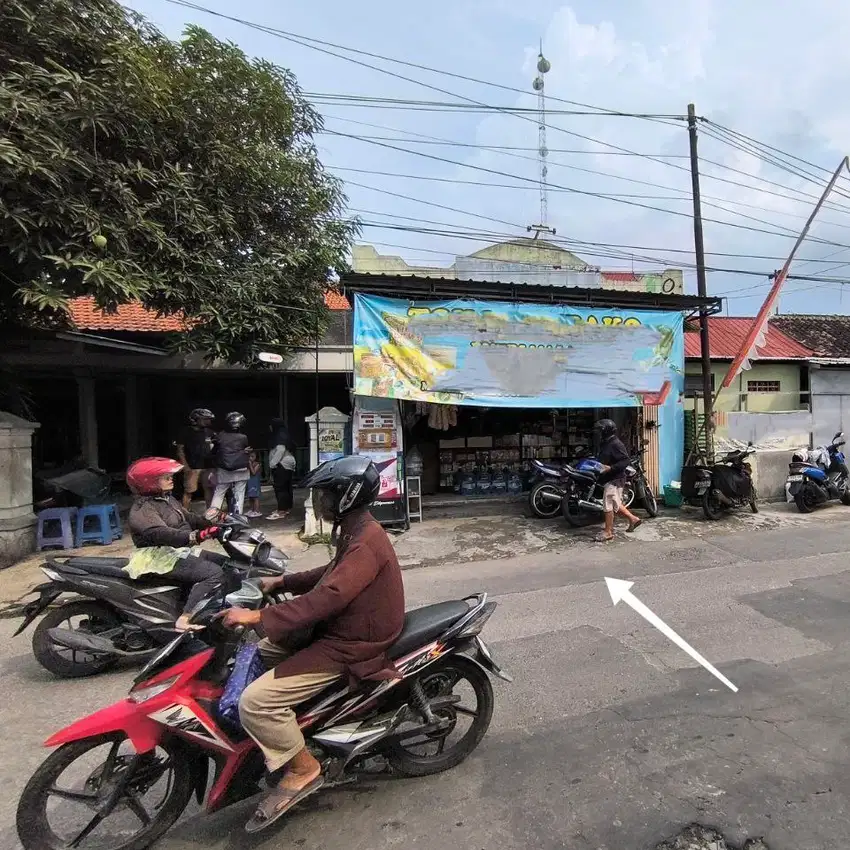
(811, 484)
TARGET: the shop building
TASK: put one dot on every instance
(487, 376)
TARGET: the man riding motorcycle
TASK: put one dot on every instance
(359, 601)
(163, 530)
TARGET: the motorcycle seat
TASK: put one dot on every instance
(422, 625)
(111, 567)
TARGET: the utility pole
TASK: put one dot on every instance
(699, 251)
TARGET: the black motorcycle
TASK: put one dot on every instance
(640, 484)
(731, 485)
(548, 485)
(113, 617)
(582, 504)
(812, 484)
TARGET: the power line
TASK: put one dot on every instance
(584, 192)
(315, 41)
(709, 199)
(370, 102)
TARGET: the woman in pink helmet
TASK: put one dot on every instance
(164, 532)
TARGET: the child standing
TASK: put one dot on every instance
(252, 491)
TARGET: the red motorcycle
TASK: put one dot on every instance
(122, 776)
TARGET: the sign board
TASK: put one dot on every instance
(495, 354)
(270, 357)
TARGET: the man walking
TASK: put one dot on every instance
(615, 460)
(194, 448)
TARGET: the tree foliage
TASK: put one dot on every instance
(180, 174)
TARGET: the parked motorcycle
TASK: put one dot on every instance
(582, 503)
(812, 483)
(128, 771)
(549, 482)
(642, 489)
(731, 485)
(112, 616)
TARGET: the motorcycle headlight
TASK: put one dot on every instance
(138, 695)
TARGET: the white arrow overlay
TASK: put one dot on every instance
(620, 589)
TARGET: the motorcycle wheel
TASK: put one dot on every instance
(650, 503)
(804, 505)
(628, 495)
(576, 516)
(88, 795)
(712, 509)
(542, 507)
(69, 663)
(754, 501)
(845, 498)
(442, 680)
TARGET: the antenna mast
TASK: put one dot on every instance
(543, 67)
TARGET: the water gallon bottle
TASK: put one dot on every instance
(414, 463)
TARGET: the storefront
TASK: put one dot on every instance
(484, 385)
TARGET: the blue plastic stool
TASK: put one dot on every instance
(104, 525)
(46, 538)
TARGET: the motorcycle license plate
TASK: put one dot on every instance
(795, 477)
(702, 486)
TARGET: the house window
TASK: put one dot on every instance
(693, 385)
(762, 386)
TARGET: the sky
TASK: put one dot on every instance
(774, 72)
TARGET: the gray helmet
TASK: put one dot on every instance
(606, 428)
(354, 481)
(234, 421)
(200, 413)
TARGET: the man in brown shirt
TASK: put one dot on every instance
(358, 600)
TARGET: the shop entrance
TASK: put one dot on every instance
(484, 452)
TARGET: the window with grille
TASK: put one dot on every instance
(763, 386)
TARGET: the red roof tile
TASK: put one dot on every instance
(726, 336)
(129, 317)
(133, 318)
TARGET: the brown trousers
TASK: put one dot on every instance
(265, 707)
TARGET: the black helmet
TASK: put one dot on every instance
(354, 481)
(234, 421)
(200, 413)
(606, 428)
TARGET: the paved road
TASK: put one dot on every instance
(610, 738)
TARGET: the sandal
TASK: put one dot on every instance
(634, 525)
(601, 538)
(278, 802)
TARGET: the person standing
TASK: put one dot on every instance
(282, 464)
(254, 489)
(194, 451)
(615, 459)
(231, 456)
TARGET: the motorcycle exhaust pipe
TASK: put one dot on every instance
(590, 506)
(91, 644)
(546, 496)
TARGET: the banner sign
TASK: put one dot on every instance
(496, 354)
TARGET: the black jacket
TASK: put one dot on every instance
(231, 451)
(162, 521)
(613, 453)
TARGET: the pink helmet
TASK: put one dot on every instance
(143, 475)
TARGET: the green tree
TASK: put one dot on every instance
(180, 174)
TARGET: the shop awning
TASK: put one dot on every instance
(422, 288)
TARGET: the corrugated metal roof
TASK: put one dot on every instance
(727, 335)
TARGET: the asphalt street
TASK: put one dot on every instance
(611, 737)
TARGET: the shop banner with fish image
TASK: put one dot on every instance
(496, 354)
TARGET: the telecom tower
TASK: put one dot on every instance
(543, 67)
